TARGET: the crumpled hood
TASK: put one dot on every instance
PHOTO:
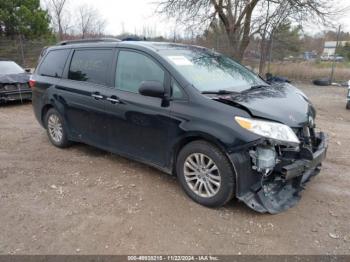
(283, 103)
(14, 78)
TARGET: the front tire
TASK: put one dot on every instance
(56, 129)
(205, 174)
(348, 105)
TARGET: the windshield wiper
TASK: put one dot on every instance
(258, 86)
(218, 92)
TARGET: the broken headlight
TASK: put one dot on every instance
(268, 129)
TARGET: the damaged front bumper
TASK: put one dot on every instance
(279, 190)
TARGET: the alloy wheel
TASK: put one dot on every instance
(55, 128)
(202, 175)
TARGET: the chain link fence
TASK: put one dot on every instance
(26, 54)
(220, 43)
(23, 52)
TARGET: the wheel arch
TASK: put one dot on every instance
(44, 111)
(51, 102)
(191, 137)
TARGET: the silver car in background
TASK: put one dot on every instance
(14, 82)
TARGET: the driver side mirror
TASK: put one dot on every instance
(152, 88)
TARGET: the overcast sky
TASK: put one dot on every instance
(134, 15)
(127, 15)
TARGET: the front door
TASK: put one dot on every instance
(138, 125)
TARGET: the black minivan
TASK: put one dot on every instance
(187, 110)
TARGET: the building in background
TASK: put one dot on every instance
(330, 46)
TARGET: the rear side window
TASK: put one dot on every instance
(53, 63)
(91, 66)
(133, 68)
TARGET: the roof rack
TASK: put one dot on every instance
(134, 38)
(89, 40)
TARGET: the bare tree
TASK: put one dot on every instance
(57, 11)
(242, 19)
(148, 31)
(90, 23)
(272, 16)
(99, 28)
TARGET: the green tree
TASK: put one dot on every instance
(344, 50)
(286, 41)
(23, 17)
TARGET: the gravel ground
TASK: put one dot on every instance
(83, 200)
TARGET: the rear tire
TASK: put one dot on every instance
(56, 129)
(348, 105)
(205, 174)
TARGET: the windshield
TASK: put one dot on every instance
(208, 71)
(9, 67)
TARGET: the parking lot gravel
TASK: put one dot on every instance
(82, 200)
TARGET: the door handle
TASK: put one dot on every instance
(97, 96)
(113, 100)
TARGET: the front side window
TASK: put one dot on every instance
(54, 63)
(176, 91)
(91, 66)
(209, 71)
(133, 68)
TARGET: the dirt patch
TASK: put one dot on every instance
(87, 201)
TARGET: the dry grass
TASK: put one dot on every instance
(305, 71)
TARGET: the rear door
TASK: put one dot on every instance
(46, 76)
(87, 77)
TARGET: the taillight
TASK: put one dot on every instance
(31, 83)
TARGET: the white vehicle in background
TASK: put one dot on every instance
(325, 57)
(337, 58)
